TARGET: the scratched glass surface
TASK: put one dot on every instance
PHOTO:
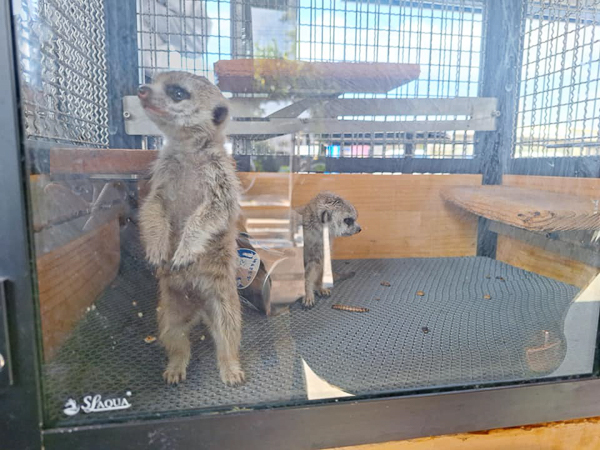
(248, 203)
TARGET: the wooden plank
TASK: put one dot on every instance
(137, 123)
(577, 434)
(541, 260)
(331, 126)
(71, 277)
(277, 75)
(570, 249)
(100, 161)
(534, 210)
(538, 260)
(402, 165)
(477, 107)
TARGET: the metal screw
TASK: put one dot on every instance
(126, 114)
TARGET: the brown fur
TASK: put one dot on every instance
(188, 222)
(325, 207)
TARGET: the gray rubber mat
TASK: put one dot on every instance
(474, 320)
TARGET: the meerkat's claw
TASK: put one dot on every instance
(324, 292)
(175, 373)
(181, 259)
(155, 258)
(232, 375)
(176, 267)
(308, 301)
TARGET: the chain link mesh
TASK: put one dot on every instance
(63, 71)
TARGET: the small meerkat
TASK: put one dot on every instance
(340, 215)
(188, 221)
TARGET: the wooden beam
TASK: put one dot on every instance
(477, 107)
(138, 123)
(529, 209)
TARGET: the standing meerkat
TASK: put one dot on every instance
(188, 222)
(340, 215)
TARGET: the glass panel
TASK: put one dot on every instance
(356, 248)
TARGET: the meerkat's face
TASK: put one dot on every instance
(179, 101)
(341, 216)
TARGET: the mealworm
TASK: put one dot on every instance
(350, 308)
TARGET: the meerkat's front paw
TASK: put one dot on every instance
(156, 257)
(343, 276)
(182, 259)
(309, 300)
(324, 292)
(175, 373)
(232, 374)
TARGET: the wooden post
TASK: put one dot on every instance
(500, 78)
(122, 66)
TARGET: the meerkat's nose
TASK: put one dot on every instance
(144, 91)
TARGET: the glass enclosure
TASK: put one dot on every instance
(336, 199)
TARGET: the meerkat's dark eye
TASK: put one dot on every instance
(349, 221)
(177, 93)
(220, 114)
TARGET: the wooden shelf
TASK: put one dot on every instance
(100, 161)
(277, 75)
(530, 209)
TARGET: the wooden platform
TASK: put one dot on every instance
(530, 209)
(278, 76)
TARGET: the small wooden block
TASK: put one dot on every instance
(530, 209)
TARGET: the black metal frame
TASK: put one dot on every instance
(122, 67)
(501, 68)
(323, 424)
(348, 422)
(20, 405)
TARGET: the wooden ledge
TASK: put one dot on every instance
(530, 209)
(278, 75)
(100, 161)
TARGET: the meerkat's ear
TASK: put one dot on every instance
(220, 114)
(326, 216)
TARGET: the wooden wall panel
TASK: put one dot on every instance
(71, 277)
(401, 215)
(536, 259)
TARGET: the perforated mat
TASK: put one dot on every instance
(441, 321)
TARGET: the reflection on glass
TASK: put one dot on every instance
(357, 123)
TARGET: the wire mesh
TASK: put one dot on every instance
(444, 37)
(62, 59)
(558, 105)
